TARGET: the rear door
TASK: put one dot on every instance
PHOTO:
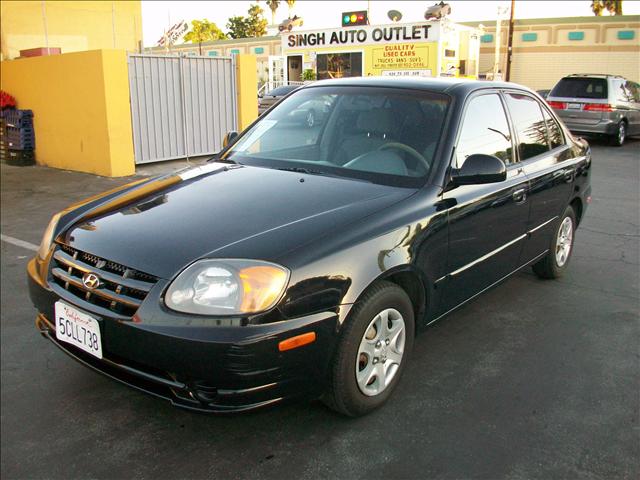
(548, 163)
(631, 99)
(576, 100)
(487, 223)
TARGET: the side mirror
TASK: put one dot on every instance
(229, 138)
(480, 168)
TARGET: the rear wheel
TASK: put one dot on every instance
(620, 136)
(372, 351)
(555, 262)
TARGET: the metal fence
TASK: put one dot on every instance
(180, 106)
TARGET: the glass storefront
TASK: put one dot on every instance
(339, 65)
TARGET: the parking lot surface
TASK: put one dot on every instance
(535, 379)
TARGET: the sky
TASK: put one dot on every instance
(159, 15)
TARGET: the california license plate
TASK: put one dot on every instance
(78, 329)
(574, 106)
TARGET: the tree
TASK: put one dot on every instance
(291, 3)
(614, 7)
(237, 27)
(273, 6)
(254, 25)
(203, 31)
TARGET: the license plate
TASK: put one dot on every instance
(574, 106)
(78, 329)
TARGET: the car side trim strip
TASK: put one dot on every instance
(493, 252)
(488, 255)
(489, 287)
(541, 225)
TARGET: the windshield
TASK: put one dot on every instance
(383, 135)
(580, 87)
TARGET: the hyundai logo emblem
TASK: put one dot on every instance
(91, 281)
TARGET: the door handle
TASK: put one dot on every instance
(519, 196)
(567, 175)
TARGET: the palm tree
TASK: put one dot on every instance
(614, 7)
(273, 6)
(290, 3)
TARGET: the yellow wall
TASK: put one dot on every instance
(71, 25)
(80, 103)
(247, 90)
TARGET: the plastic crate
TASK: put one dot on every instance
(21, 138)
(21, 158)
(17, 118)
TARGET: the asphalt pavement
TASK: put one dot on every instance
(534, 379)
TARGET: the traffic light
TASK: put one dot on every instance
(350, 19)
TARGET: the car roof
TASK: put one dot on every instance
(594, 75)
(449, 85)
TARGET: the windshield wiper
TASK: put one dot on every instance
(303, 170)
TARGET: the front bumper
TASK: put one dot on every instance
(204, 368)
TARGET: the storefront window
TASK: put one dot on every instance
(339, 65)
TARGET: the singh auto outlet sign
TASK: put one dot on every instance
(366, 35)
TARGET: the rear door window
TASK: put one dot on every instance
(484, 130)
(529, 125)
(556, 138)
(634, 90)
(580, 87)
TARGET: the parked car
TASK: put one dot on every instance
(543, 93)
(598, 105)
(274, 96)
(309, 114)
(287, 268)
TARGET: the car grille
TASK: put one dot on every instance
(121, 289)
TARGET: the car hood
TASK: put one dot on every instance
(220, 211)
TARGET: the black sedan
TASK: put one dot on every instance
(304, 265)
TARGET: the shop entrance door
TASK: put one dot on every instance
(294, 68)
(276, 72)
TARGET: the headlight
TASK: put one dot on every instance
(47, 238)
(227, 287)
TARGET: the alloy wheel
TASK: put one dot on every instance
(622, 132)
(564, 241)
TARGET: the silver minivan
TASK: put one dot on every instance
(593, 104)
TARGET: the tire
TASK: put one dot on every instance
(554, 264)
(344, 393)
(618, 138)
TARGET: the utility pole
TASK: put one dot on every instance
(510, 42)
(496, 64)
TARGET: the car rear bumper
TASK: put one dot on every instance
(603, 127)
(212, 369)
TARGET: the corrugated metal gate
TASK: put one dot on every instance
(178, 98)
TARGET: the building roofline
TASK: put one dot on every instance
(542, 21)
(214, 43)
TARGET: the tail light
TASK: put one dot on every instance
(598, 107)
(557, 105)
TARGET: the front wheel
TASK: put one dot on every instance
(554, 264)
(620, 136)
(372, 351)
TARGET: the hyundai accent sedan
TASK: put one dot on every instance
(302, 262)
